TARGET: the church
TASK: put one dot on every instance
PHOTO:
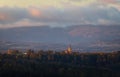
(68, 50)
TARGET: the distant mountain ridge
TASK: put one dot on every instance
(87, 37)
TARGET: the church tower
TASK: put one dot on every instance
(68, 50)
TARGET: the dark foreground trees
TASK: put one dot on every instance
(49, 64)
(31, 69)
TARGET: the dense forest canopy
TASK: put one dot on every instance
(59, 64)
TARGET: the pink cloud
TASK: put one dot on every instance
(4, 17)
(35, 12)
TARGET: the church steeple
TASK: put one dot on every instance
(68, 50)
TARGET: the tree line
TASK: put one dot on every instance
(59, 64)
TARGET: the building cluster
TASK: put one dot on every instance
(29, 52)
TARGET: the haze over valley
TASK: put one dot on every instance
(87, 38)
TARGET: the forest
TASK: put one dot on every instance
(15, 63)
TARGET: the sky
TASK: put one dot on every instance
(58, 13)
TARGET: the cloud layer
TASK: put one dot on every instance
(58, 13)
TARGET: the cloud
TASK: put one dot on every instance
(109, 1)
(22, 23)
(97, 14)
(46, 3)
(34, 12)
(54, 3)
(3, 17)
(116, 6)
(12, 15)
(112, 3)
